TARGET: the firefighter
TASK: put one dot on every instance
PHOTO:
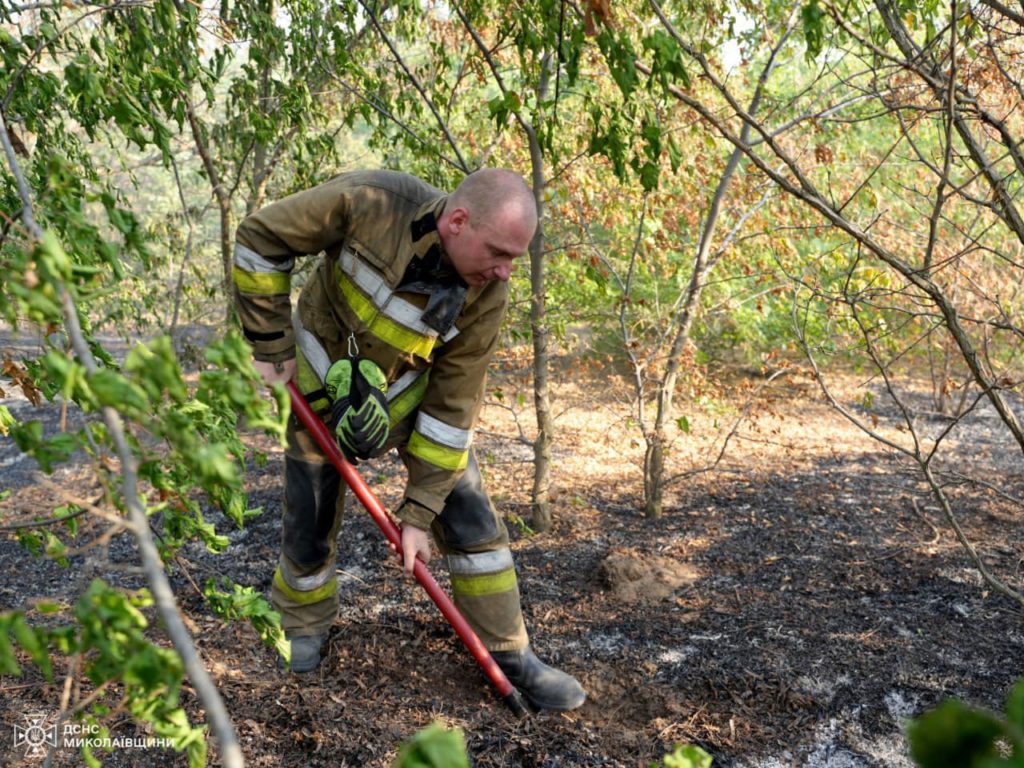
(390, 345)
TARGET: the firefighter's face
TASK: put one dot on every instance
(487, 250)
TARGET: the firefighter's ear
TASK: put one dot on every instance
(458, 220)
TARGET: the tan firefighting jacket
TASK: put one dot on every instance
(376, 293)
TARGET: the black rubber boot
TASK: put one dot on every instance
(544, 687)
(306, 653)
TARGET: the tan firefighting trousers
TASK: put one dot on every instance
(468, 532)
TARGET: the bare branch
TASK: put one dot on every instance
(43, 523)
(972, 553)
(744, 412)
(1005, 10)
(417, 85)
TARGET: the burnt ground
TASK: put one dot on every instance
(793, 607)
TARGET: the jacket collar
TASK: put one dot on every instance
(426, 240)
(430, 270)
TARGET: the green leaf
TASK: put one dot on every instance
(667, 59)
(246, 603)
(650, 129)
(1015, 706)
(6, 421)
(216, 466)
(684, 424)
(609, 140)
(649, 173)
(33, 644)
(54, 548)
(31, 541)
(813, 18)
(500, 107)
(953, 734)
(47, 452)
(154, 367)
(621, 58)
(675, 154)
(8, 664)
(114, 390)
(434, 747)
(55, 266)
(688, 756)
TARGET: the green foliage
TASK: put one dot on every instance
(43, 541)
(813, 17)
(621, 57)
(110, 638)
(97, 102)
(434, 747)
(954, 733)
(198, 449)
(7, 421)
(201, 447)
(132, 78)
(106, 97)
(437, 747)
(500, 107)
(202, 434)
(667, 64)
(687, 756)
(248, 604)
(47, 452)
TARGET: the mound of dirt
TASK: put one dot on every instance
(631, 576)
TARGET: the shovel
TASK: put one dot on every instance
(355, 481)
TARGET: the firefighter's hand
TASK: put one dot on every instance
(275, 373)
(415, 543)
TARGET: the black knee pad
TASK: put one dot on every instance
(311, 493)
(467, 519)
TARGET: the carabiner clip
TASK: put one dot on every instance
(353, 347)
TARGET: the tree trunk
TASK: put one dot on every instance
(654, 469)
(224, 203)
(654, 458)
(261, 162)
(541, 518)
(541, 512)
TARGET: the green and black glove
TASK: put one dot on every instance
(359, 411)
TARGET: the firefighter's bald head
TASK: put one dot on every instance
(488, 221)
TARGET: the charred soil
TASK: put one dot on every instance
(792, 607)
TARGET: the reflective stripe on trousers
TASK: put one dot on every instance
(485, 589)
(305, 583)
(468, 531)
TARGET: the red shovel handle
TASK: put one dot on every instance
(362, 491)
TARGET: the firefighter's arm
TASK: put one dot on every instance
(438, 449)
(267, 243)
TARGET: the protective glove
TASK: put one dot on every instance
(359, 410)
